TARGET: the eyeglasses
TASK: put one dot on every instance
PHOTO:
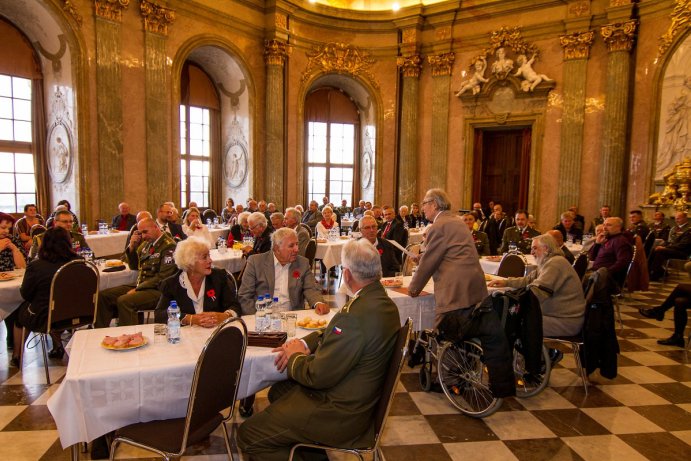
(425, 202)
(255, 226)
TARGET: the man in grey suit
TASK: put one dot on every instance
(292, 220)
(312, 216)
(459, 287)
(282, 273)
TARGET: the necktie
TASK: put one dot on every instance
(386, 230)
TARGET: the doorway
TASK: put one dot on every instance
(501, 167)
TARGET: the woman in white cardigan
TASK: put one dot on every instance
(193, 227)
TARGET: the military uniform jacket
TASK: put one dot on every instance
(76, 237)
(680, 238)
(521, 239)
(341, 381)
(481, 243)
(154, 260)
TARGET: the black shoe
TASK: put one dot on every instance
(14, 362)
(673, 340)
(652, 313)
(555, 356)
(100, 448)
(57, 353)
(246, 412)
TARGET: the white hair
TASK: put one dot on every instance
(243, 215)
(257, 218)
(362, 259)
(280, 234)
(295, 213)
(187, 252)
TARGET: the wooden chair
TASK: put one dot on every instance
(209, 214)
(382, 409)
(511, 265)
(214, 389)
(73, 302)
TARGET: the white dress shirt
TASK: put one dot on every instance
(197, 299)
(281, 274)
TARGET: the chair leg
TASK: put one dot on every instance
(45, 356)
(617, 307)
(579, 365)
(229, 448)
(21, 352)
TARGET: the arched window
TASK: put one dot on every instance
(332, 130)
(18, 74)
(199, 117)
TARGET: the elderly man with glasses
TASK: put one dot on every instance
(64, 219)
(259, 227)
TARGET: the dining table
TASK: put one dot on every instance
(230, 260)
(330, 251)
(415, 236)
(109, 244)
(490, 264)
(221, 230)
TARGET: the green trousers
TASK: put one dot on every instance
(116, 302)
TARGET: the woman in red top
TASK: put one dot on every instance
(326, 224)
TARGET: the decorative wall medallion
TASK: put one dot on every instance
(236, 160)
(681, 20)
(59, 152)
(342, 59)
(580, 8)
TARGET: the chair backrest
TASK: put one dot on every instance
(511, 265)
(308, 228)
(232, 280)
(216, 377)
(49, 222)
(391, 380)
(36, 229)
(628, 269)
(209, 214)
(648, 244)
(580, 265)
(73, 296)
(311, 251)
(407, 266)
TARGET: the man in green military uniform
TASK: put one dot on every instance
(521, 234)
(64, 219)
(335, 375)
(151, 252)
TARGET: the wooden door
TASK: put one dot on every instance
(502, 167)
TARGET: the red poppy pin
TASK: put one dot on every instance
(296, 274)
(381, 252)
(211, 294)
(151, 250)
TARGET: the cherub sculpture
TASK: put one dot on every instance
(473, 83)
(531, 78)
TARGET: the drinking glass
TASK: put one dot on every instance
(291, 320)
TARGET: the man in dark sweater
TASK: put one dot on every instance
(613, 250)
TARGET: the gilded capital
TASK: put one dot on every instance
(619, 36)
(275, 52)
(441, 63)
(69, 8)
(340, 58)
(577, 45)
(156, 18)
(110, 9)
(410, 65)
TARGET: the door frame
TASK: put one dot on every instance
(533, 121)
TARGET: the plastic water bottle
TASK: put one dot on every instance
(276, 316)
(85, 229)
(268, 313)
(259, 315)
(173, 334)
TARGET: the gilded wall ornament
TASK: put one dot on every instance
(110, 9)
(619, 36)
(580, 8)
(681, 20)
(441, 63)
(410, 65)
(442, 33)
(409, 36)
(619, 2)
(281, 21)
(577, 45)
(69, 8)
(340, 58)
(156, 17)
(276, 52)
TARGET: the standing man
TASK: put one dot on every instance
(151, 252)
(335, 376)
(521, 234)
(124, 221)
(389, 255)
(451, 260)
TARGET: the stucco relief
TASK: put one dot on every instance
(367, 156)
(60, 140)
(235, 164)
(674, 139)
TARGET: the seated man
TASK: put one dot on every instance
(344, 209)
(259, 227)
(638, 226)
(520, 234)
(680, 299)
(312, 216)
(392, 228)
(140, 216)
(292, 221)
(123, 221)
(612, 249)
(578, 219)
(556, 235)
(567, 227)
(659, 226)
(166, 220)
(282, 273)
(65, 219)
(335, 376)
(604, 214)
(390, 256)
(151, 252)
(480, 238)
(494, 227)
(677, 246)
(359, 210)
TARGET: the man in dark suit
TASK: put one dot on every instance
(479, 238)
(259, 227)
(312, 216)
(521, 234)
(124, 221)
(494, 227)
(677, 246)
(164, 219)
(282, 273)
(392, 228)
(390, 256)
(335, 376)
(560, 244)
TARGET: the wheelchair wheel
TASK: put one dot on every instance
(464, 379)
(529, 384)
(426, 376)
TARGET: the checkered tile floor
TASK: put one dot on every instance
(644, 413)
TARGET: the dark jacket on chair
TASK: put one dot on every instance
(600, 339)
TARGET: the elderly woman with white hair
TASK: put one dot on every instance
(327, 223)
(556, 285)
(242, 229)
(203, 293)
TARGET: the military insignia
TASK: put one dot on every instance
(168, 260)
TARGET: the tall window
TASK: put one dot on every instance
(17, 178)
(332, 133)
(195, 151)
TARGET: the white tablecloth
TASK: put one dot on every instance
(347, 222)
(104, 390)
(221, 231)
(491, 267)
(110, 244)
(10, 298)
(414, 236)
(231, 260)
(330, 252)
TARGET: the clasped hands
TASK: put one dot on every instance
(294, 346)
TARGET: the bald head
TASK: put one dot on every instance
(143, 215)
(556, 235)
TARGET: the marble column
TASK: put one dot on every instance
(407, 159)
(619, 39)
(275, 54)
(576, 52)
(111, 186)
(156, 20)
(441, 88)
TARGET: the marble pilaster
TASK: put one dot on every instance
(619, 39)
(441, 88)
(576, 52)
(410, 66)
(275, 54)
